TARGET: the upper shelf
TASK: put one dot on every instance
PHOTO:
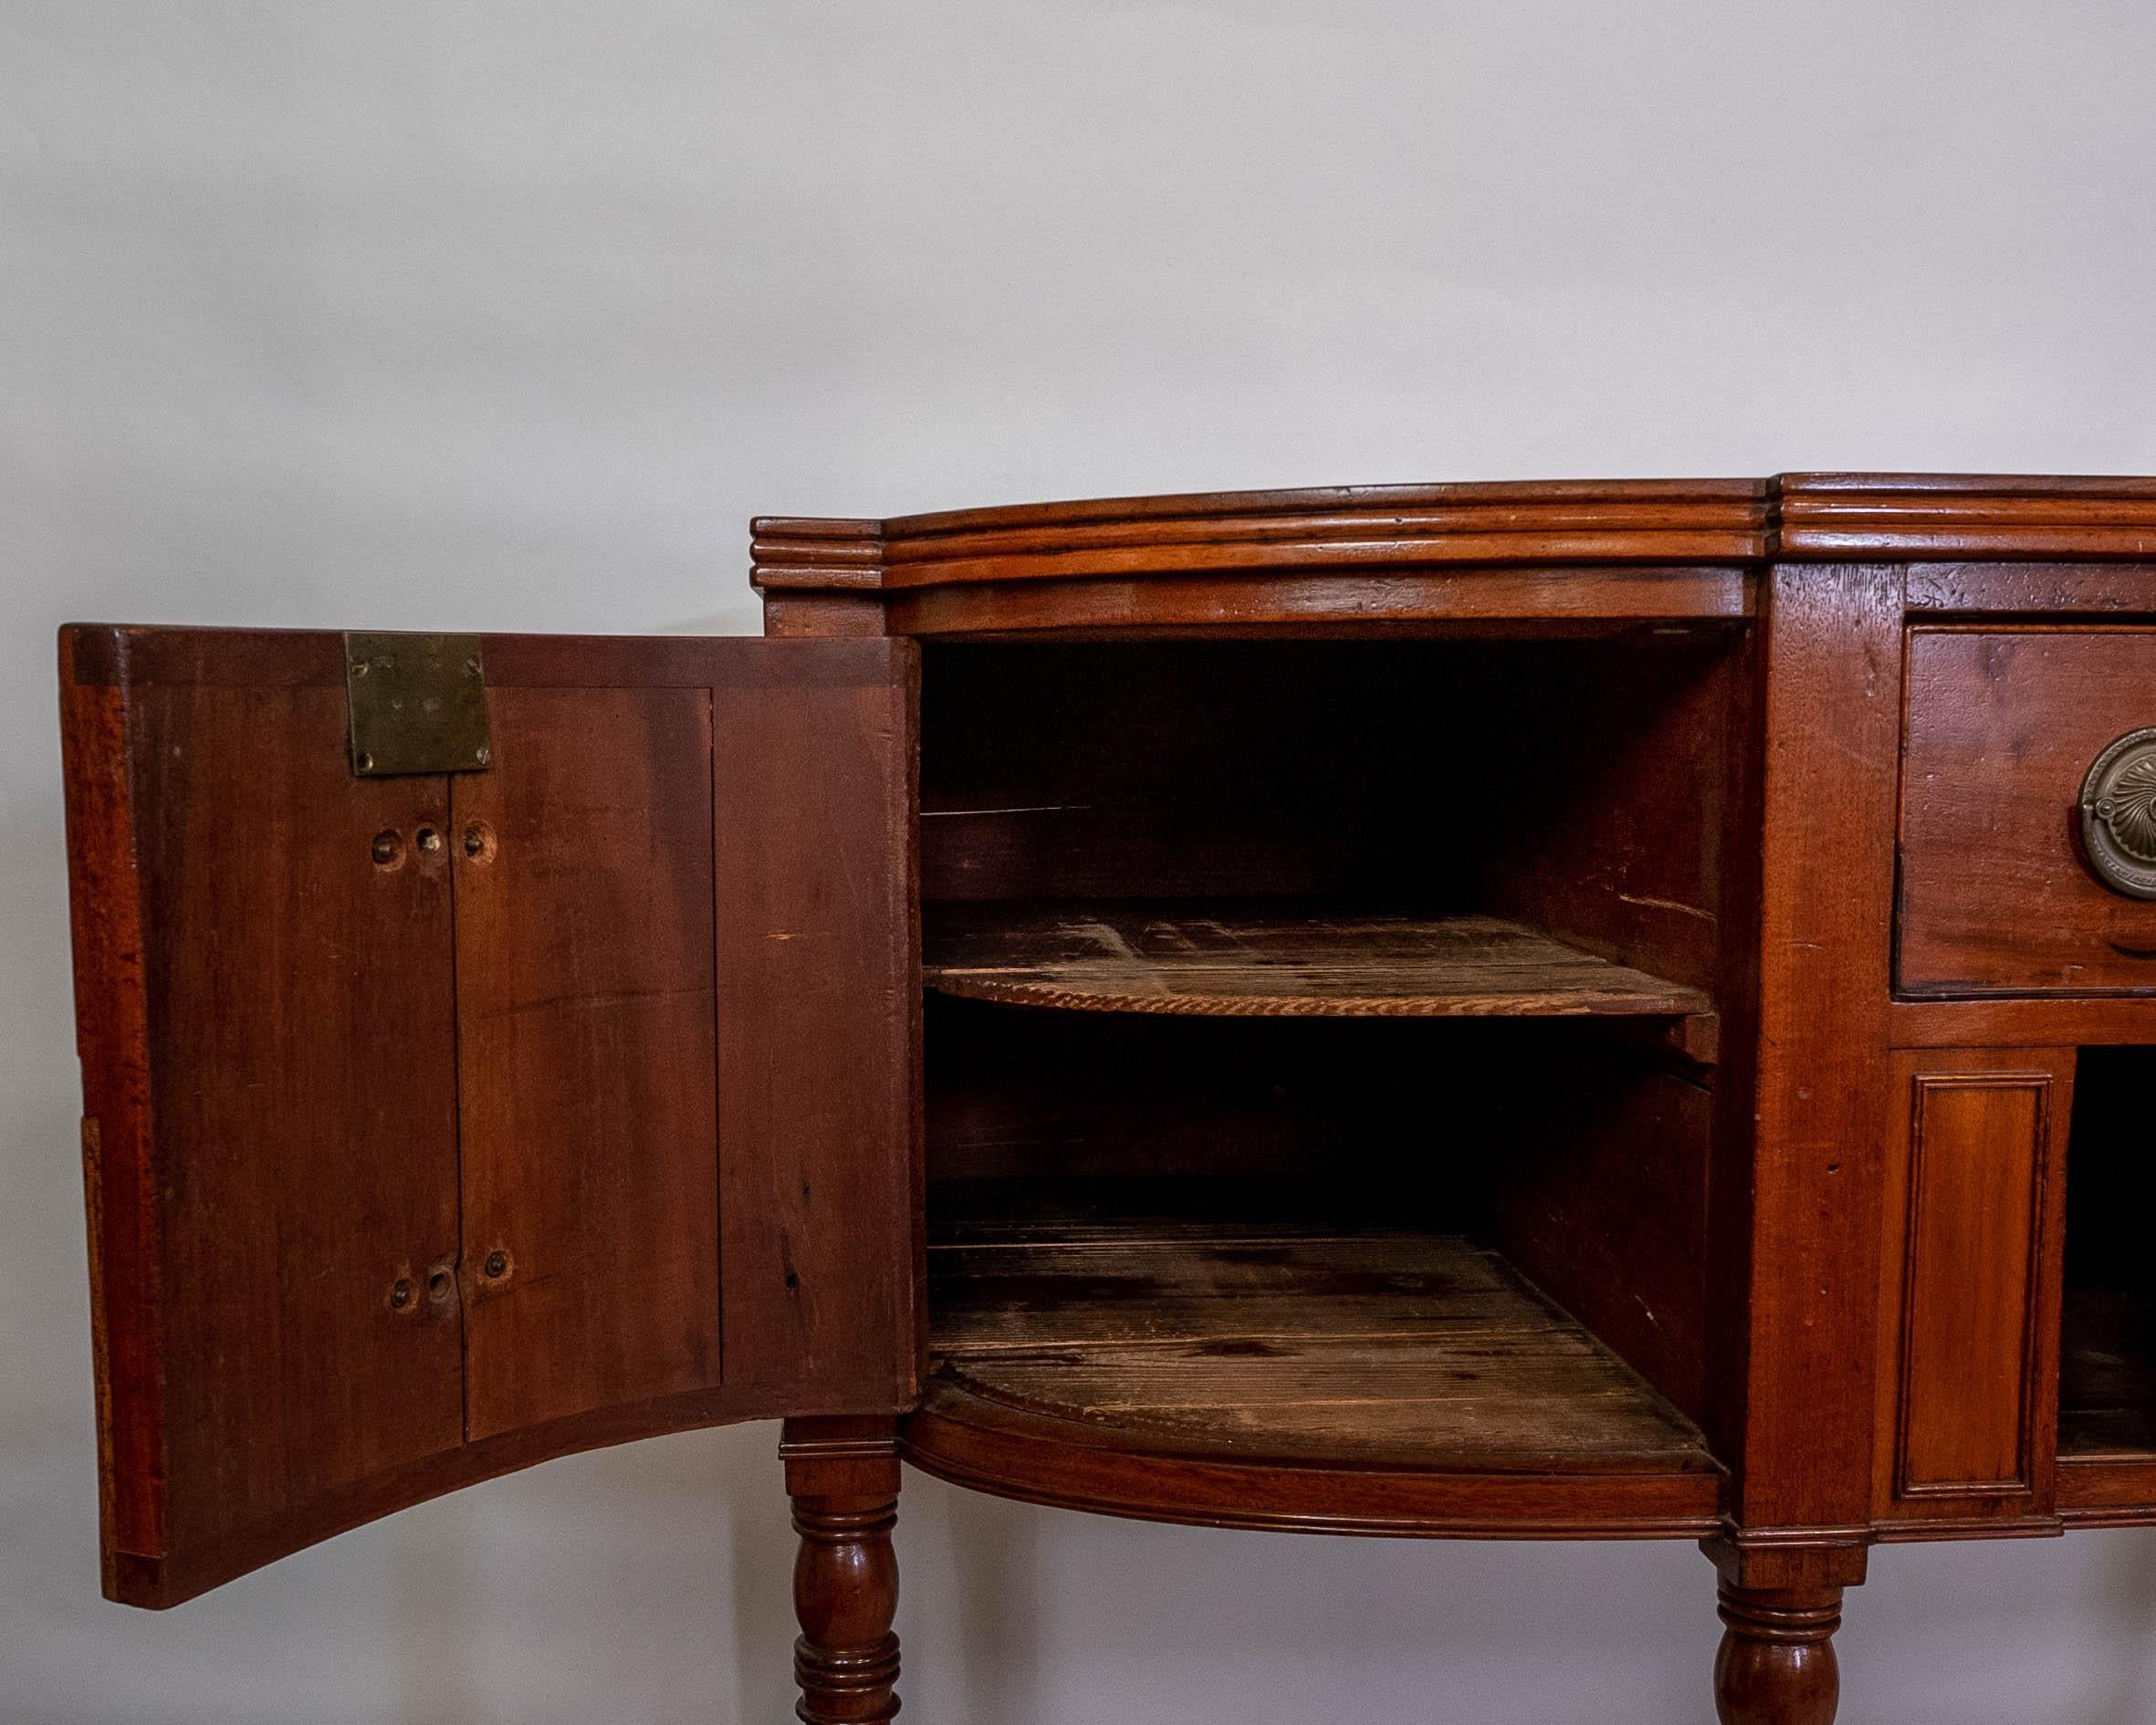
(1577, 551)
(1266, 961)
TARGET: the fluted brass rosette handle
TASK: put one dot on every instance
(2118, 815)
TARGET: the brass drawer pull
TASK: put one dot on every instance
(2118, 815)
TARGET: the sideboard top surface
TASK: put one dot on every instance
(1829, 515)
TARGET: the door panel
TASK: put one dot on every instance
(330, 1071)
(819, 1033)
(269, 1087)
(585, 994)
(1971, 1284)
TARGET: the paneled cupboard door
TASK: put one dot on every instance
(438, 1124)
(1970, 1284)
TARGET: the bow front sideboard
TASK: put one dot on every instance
(1588, 1010)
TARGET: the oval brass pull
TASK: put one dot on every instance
(2118, 815)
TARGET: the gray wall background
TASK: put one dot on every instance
(441, 314)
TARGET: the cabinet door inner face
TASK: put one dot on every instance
(586, 1071)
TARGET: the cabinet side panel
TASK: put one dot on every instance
(1604, 1205)
(584, 968)
(819, 1025)
(111, 1042)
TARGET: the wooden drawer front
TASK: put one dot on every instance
(1969, 1283)
(1996, 896)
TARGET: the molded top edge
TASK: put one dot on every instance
(1557, 524)
(1824, 485)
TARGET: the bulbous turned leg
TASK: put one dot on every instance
(845, 1585)
(1776, 1666)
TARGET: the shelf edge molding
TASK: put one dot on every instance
(1215, 960)
(986, 1445)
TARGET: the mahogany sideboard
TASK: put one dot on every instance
(1574, 1011)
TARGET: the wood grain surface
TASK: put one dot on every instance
(1996, 896)
(585, 972)
(412, 1112)
(1970, 1274)
(1401, 1347)
(1343, 556)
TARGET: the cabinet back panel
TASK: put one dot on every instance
(1580, 784)
(1407, 1113)
(1182, 770)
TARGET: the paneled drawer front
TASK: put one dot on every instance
(1999, 895)
(1969, 1288)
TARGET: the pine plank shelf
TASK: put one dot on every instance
(1269, 961)
(1357, 1362)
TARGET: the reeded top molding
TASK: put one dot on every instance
(1898, 516)
(1828, 517)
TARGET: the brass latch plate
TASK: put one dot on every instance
(417, 705)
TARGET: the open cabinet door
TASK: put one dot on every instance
(437, 1122)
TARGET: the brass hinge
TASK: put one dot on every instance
(418, 703)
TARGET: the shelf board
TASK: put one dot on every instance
(1300, 1346)
(2107, 1416)
(1269, 961)
(2108, 1374)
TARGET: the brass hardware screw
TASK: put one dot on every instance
(497, 1264)
(400, 1293)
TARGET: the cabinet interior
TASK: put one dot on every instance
(2107, 1357)
(1250, 964)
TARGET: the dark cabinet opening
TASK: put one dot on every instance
(1321, 1039)
(2108, 1360)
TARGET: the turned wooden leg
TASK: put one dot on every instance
(1776, 1666)
(843, 1476)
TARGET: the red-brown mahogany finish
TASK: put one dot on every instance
(843, 1476)
(411, 1108)
(1776, 1665)
(1414, 1043)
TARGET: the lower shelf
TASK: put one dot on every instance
(2108, 1374)
(1259, 1376)
(2107, 1416)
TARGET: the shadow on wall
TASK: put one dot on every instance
(651, 1586)
(2128, 1696)
(654, 1583)
(996, 1554)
